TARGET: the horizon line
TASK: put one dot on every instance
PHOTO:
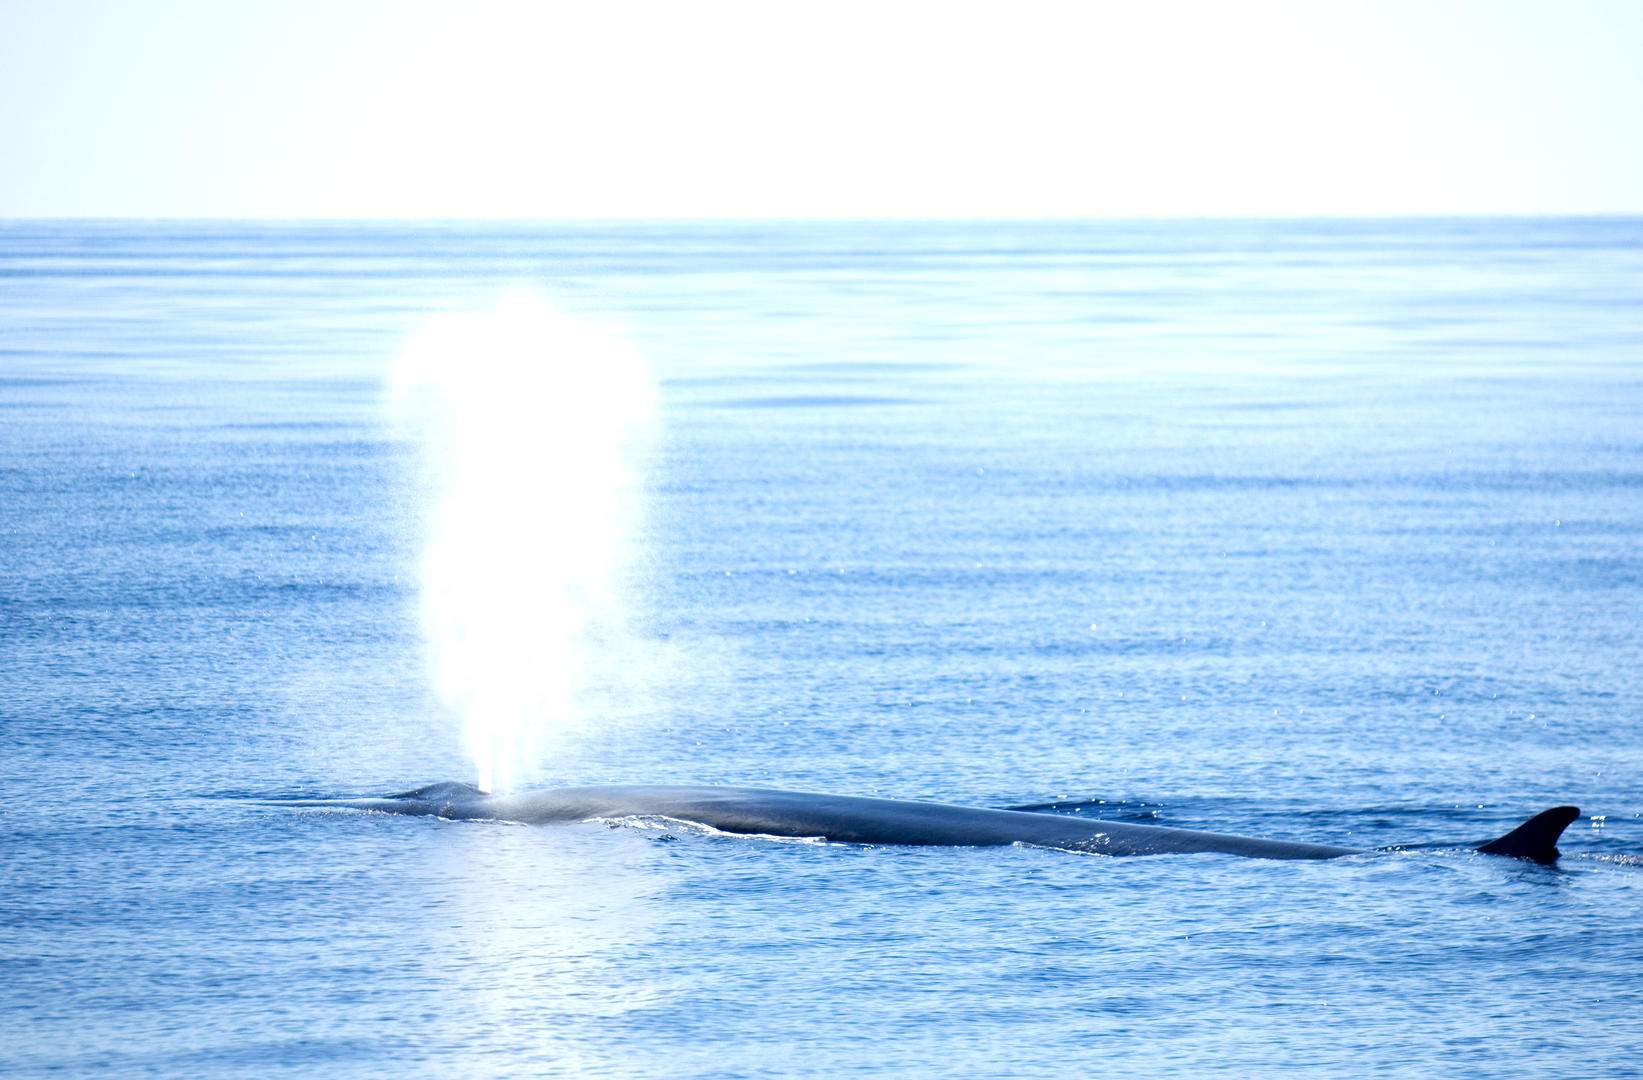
(819, 219)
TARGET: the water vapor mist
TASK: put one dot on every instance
(531, 425)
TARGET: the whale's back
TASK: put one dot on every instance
(861, 820)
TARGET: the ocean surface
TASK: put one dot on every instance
(1326, 530)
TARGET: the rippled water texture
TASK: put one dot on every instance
(1323, 531)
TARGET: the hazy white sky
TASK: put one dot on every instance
(294, 108)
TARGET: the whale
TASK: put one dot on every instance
(851, 819)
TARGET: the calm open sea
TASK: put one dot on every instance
(1316, 530)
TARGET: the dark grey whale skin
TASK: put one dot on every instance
(854, 820)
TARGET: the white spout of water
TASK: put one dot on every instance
(531, 425)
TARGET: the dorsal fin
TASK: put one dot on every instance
(1535, 839)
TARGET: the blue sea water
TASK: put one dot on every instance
(1316, 530)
